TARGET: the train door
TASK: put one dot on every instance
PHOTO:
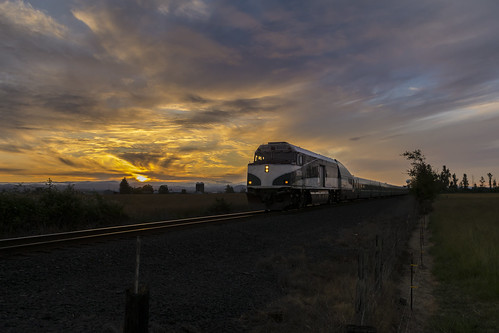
(322, 175)
(339, 177)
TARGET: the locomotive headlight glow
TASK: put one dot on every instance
(286, 182)
(266, 168)
(249, 182)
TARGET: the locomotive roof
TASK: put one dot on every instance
(281, 145)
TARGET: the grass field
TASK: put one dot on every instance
(465, 230)
(156, 207)
(52, 210)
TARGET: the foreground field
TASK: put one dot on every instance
(156, 207)
(465, 231)
(48, 210)
(287, 272)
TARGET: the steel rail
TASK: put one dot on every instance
(32, 243)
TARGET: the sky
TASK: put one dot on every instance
(186, 90)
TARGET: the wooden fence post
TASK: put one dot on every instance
(137, 311)
(361, 292)
(137, 303)
(378, 269)
(412, 278)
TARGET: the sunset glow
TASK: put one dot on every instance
(141, 178)
(191, 88)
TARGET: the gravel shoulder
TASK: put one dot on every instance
(200, 280)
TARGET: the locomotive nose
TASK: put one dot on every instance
(265, 175)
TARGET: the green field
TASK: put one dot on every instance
(465, 230)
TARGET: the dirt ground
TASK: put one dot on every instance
(424, 303)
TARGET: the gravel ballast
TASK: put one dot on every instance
(200, 279)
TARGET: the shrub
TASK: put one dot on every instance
(219, 207)
(35, 211)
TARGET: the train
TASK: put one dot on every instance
(284, 176)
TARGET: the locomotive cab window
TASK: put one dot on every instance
(275, 157)
(283, 157)
(259, 157)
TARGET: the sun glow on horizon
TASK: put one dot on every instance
(141, 178)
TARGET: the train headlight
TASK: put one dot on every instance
(249, 182)
(266, 168)
(286, 182)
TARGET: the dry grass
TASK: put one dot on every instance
(320, 295)
(156, 207)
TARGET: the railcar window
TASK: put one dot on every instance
(299, 159)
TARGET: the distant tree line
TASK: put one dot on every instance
(426, 183)
(450, 183)
(125, 188)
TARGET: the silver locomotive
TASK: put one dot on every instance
(283, 175)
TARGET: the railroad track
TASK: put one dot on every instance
(41, 242)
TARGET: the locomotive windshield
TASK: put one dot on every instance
(275, 157)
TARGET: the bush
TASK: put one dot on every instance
(35, 211)
(219, 207)
(163, 189)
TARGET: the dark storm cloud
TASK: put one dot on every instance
(223, 112)
(200, 147)
(10, 148)
(68, 103)
(66, 161)
(205, 118)
(142, 159)
(12, 170)
(195, 99)
(168, 162)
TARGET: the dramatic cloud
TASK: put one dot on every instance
(186, 90)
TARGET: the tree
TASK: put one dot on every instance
(454, 181)
(490, 180)
(424, 182)
(482, 182)
(125, 188)
(229, 189)
(147, 189)
(163, 189)
(445, 178)
(465, 182)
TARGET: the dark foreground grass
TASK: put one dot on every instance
(51, 209)
(157, 207)
(47, 210)
(465, 230)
